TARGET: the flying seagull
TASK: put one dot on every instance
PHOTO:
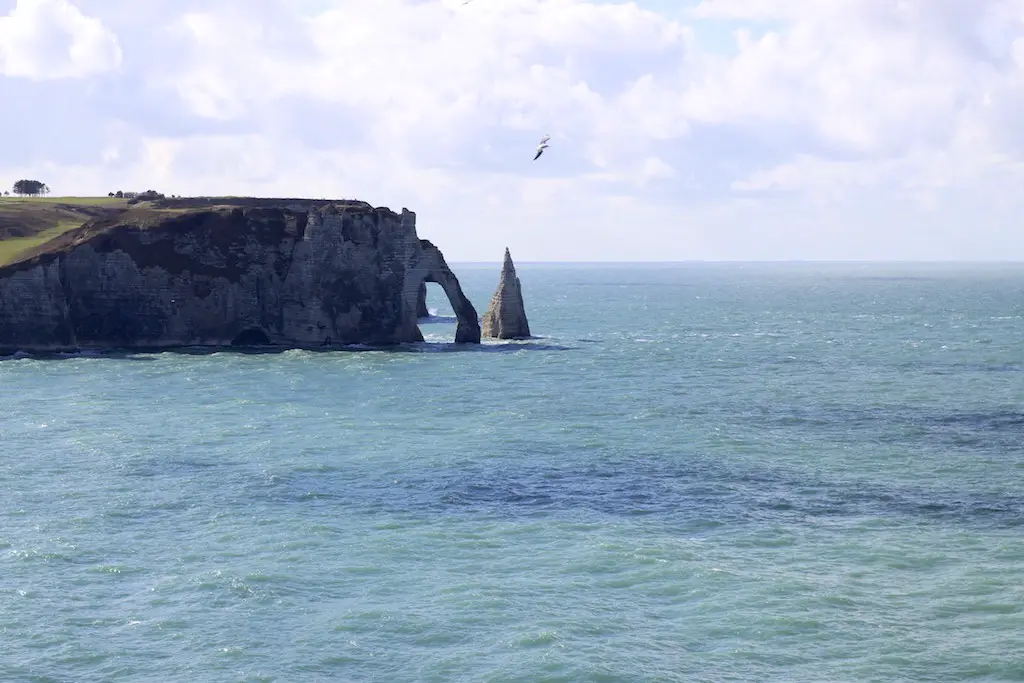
(542, 146)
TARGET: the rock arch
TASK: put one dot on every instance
(432, 268)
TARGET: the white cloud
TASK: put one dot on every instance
(863, 75)
(846, 128)
(52, 39)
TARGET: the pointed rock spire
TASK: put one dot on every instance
(506, 316)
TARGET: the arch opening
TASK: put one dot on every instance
(435, 315)
(467, 329)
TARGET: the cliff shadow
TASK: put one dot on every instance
(112, 354)
(264, 350)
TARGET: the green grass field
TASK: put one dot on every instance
(27, 222)
(10, 248)
(72, 201)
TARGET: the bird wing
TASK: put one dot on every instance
(540, 150)
(545, 139)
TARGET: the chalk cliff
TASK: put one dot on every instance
(285, 273)
(506, 316)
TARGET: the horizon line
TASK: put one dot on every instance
(760, 262)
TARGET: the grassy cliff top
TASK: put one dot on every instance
(26, 224)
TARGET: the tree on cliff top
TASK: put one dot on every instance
(31, 188)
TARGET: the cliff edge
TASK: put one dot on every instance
(284, 273)
(506, 316)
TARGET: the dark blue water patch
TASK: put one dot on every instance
(695, 495)
(171, 467)
(985, 421)
(997, 367)
(938, 367)
(902, 415)
(884, 278)
(997, 432)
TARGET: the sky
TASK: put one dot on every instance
(680, 129)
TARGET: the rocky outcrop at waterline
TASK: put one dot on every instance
(506, 316)
(421, 302)
(283, 273)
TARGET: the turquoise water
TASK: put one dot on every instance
(699, 473)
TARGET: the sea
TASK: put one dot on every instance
(702, 472)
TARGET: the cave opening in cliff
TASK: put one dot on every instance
(251, 336)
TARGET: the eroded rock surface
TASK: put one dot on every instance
(421, 302)
(299, 274)
(506, 316)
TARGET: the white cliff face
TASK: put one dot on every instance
(506, 315)
(331, 275)
(33, 307)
